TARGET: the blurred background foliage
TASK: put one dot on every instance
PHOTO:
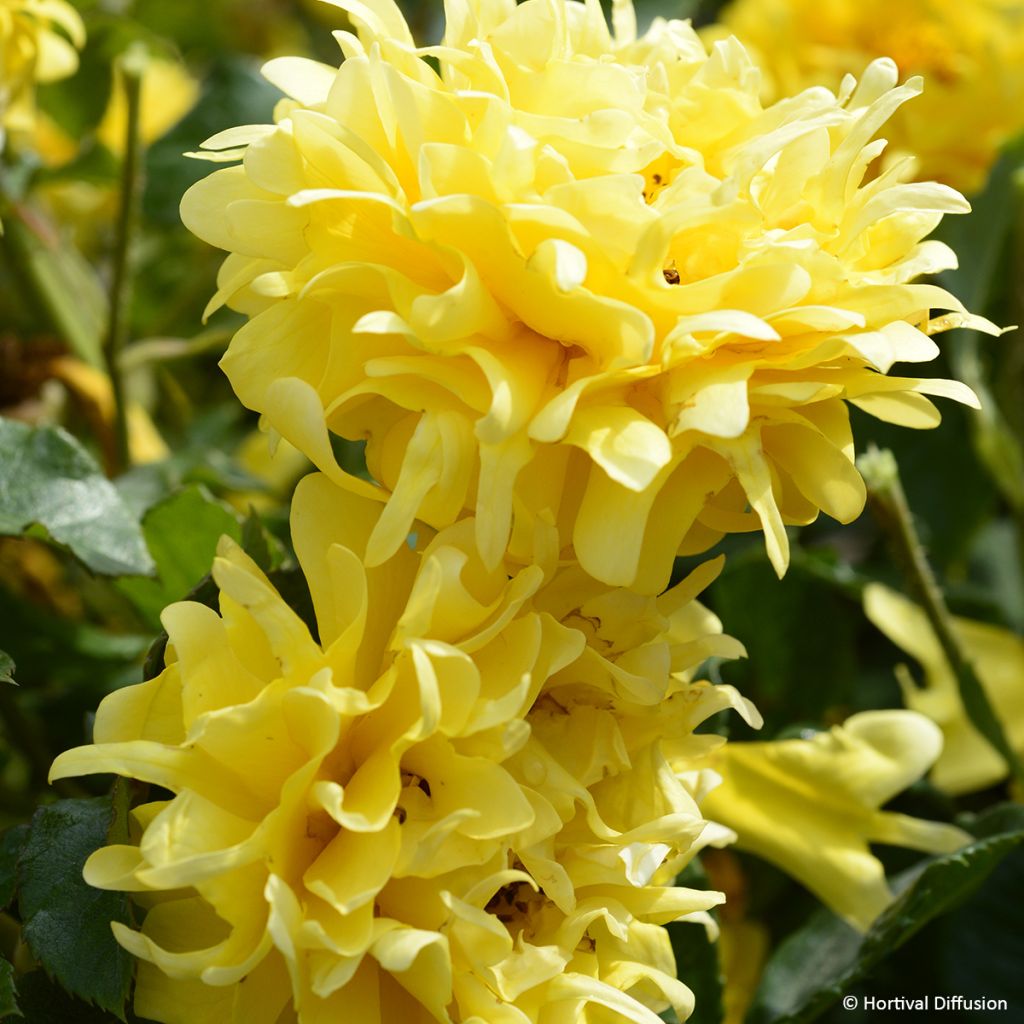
(80, 601)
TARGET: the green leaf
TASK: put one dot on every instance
(8, 994)
(11, 845)
(995, 557)
(56, 286)
(260, 544)
(66, 922)
(43, 1002)
(775, 676)
(994, 821)
(696, 956)
(7, 669)
(182, 533)
(820, 962)
(984, 946)
(199, 457)
(66, 664)
(48, 478)
(697, 965)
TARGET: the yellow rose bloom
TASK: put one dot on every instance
(811, 806)
(451, 802)
(575, 277)
(969, 52)
(39, 40)
(968, 761)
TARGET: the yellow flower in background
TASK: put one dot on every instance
(743, 951)
(811, 806)
(968, 762)
(453, 802)
(168, 93)
(39, 40)
(92, 390)
(277, 466)
(969, 52)
(577, 277)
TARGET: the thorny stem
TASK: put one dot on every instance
(132, 70)
(889, 503)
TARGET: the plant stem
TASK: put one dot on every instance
(132, 69)
(889, 503)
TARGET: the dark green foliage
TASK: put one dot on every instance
(697, 964)
(815, 678)
(8, 992)
(42, 1001)
(697, 956)
(66, 922)
(48, 478)
(11, 844)
(985, 948)
(826, 958)
(260, 544)
(182, 533)
(267, 552)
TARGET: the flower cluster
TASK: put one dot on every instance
(576, 277)
(590, 304)
(970, 53)
(39, 40)
(452, 800)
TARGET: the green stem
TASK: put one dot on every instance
(889, 503)
(132, 70)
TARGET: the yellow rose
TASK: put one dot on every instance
(575, 277)
(969, 52)
(451, 802)
(968, 761)
(39, 40)
(811, 806)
